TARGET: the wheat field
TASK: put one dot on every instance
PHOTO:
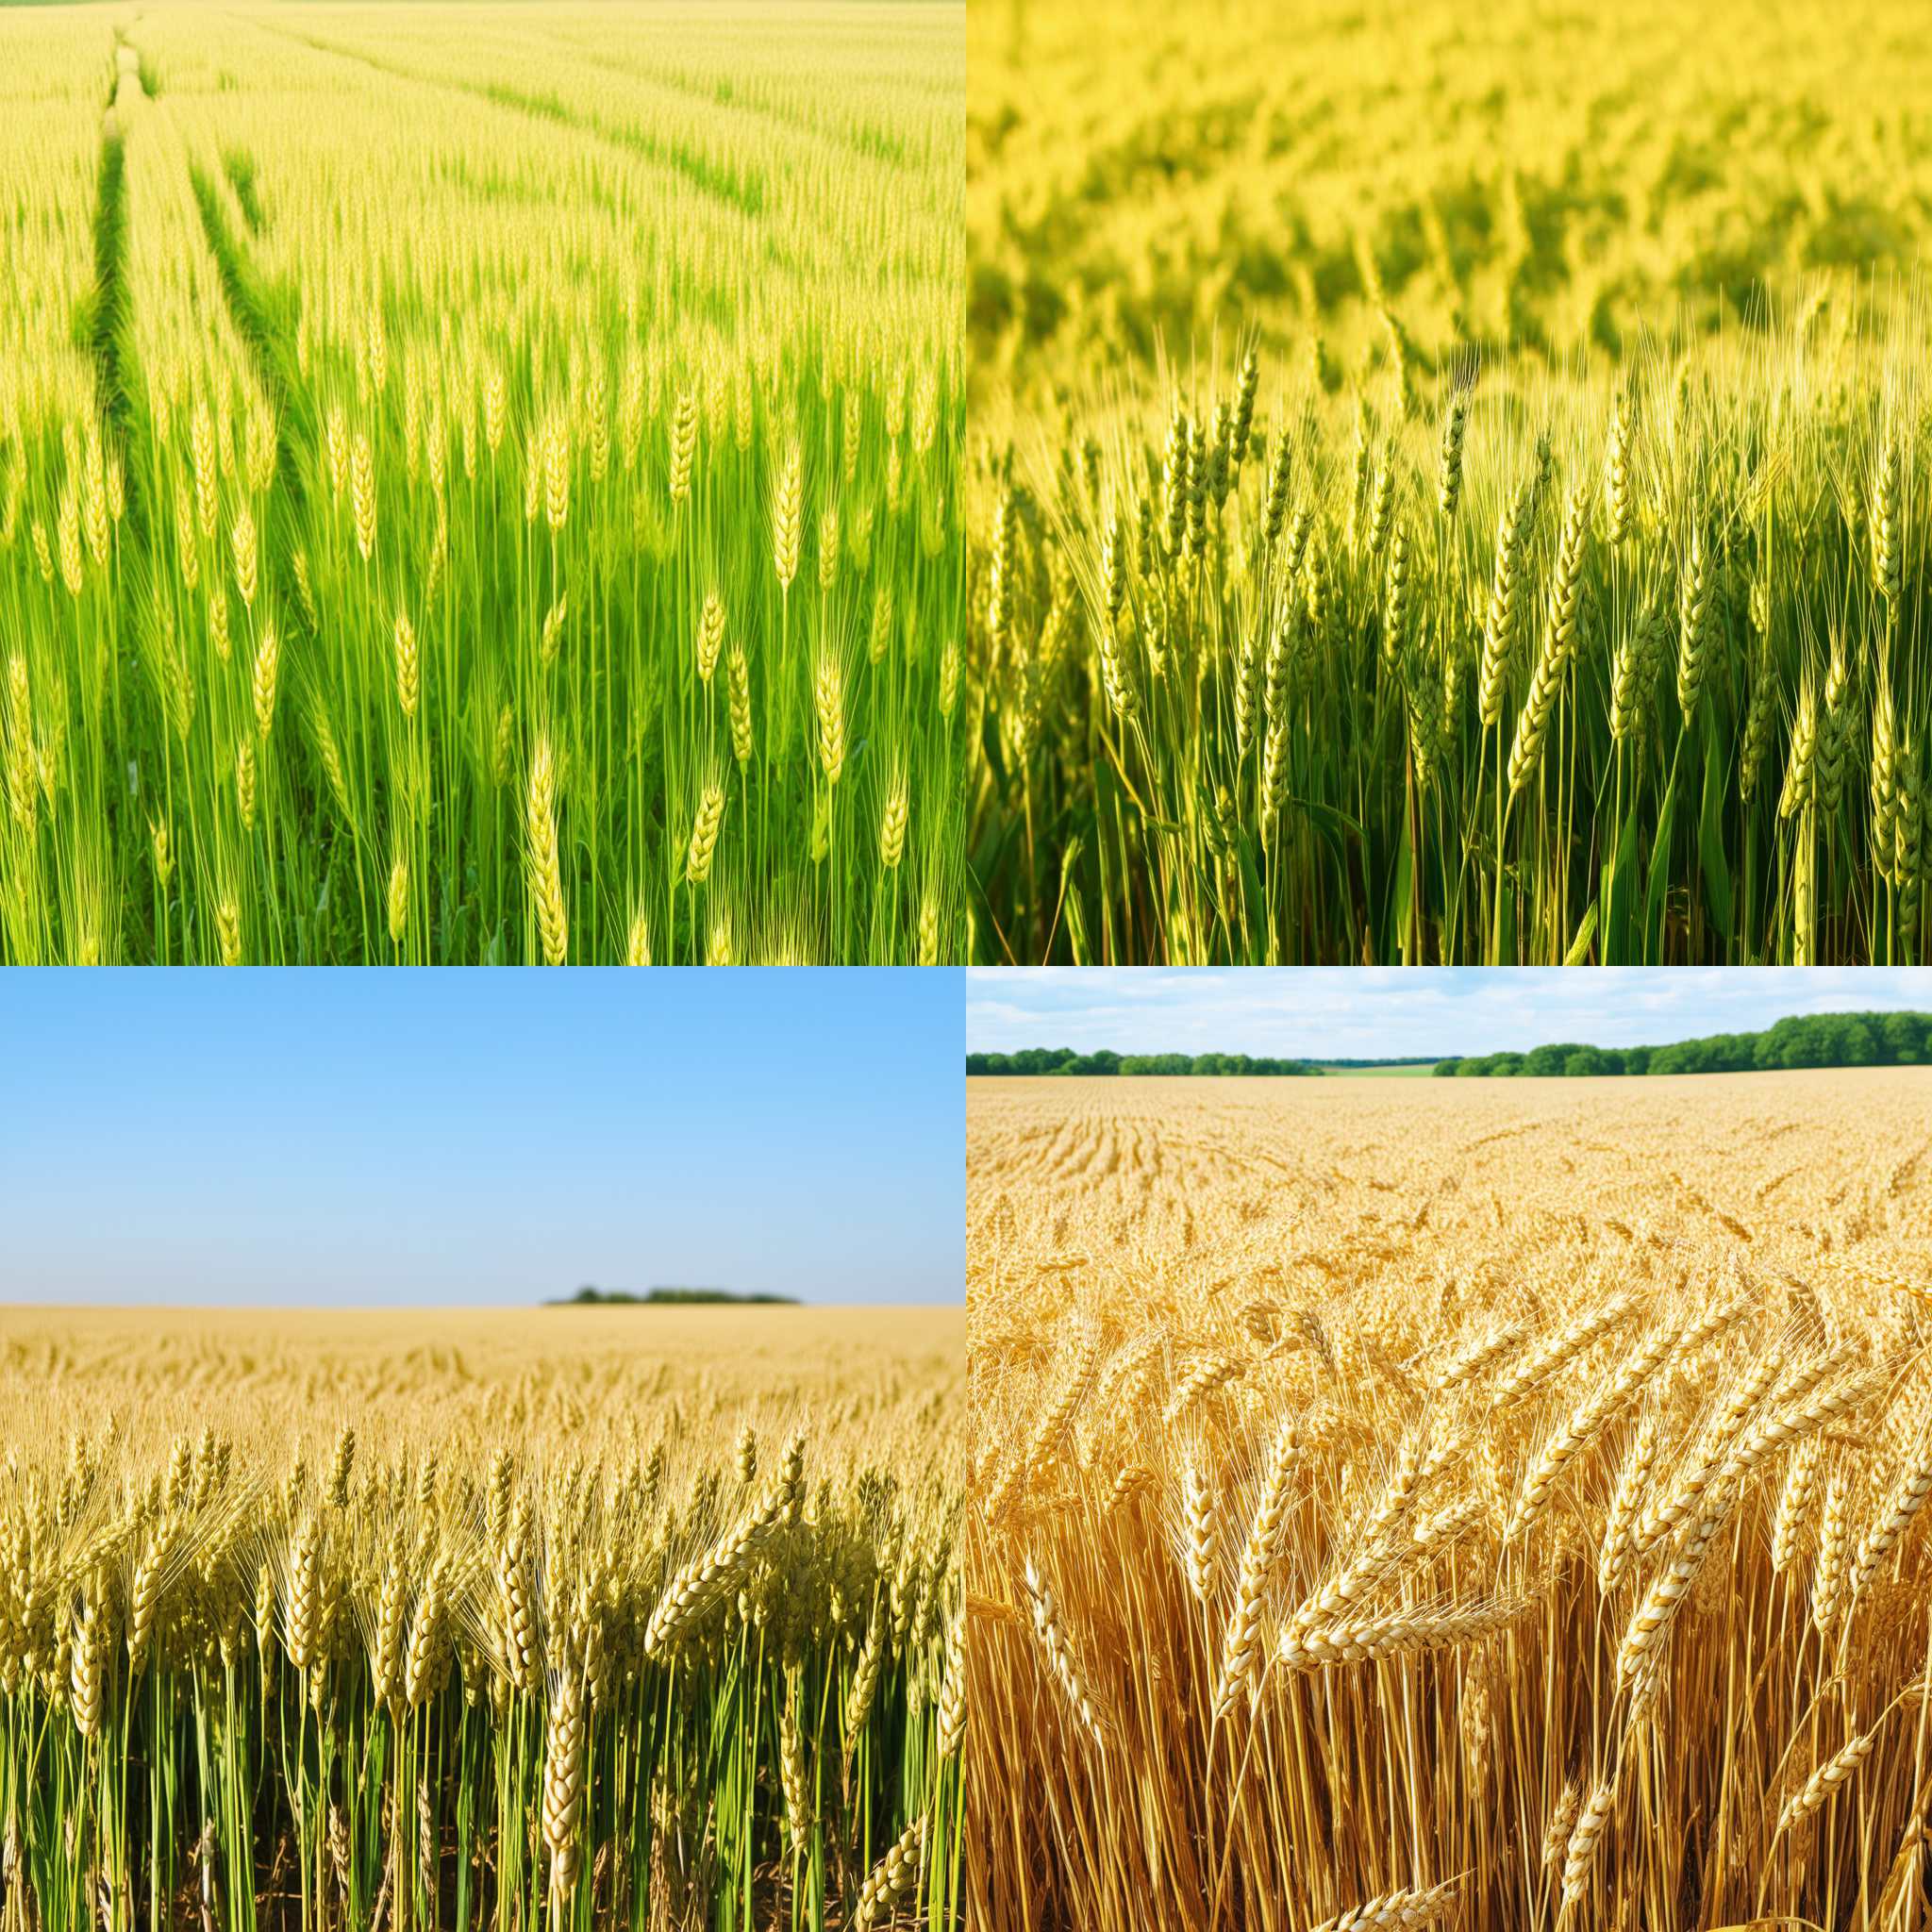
(1447, 488)
(541, 1620)
(1394, 1503)
(481, 485)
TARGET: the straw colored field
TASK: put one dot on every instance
(560, 1618)
(1447, 484)
(1499, 1508)
(479, 484)
(405, 1375)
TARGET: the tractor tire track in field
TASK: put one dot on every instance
(259, 309)
(263, 313)
(740, 187)
(115, 384)
(871, 140)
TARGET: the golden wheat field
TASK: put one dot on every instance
(555, 1618)
(480, 484)
(1394, 1505)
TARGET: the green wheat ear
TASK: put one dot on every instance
(1177, 611)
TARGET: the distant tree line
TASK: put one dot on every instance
(1063, 1059)
(1813, 1040)
(591, 1297)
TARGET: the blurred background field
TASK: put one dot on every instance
(607, 1380)
(1526, 177)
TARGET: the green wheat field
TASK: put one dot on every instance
(1446, 487)
(481, 485)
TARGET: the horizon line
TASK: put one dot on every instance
(448, 1308)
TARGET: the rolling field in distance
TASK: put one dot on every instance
(545, 1619)
(1409, 1504)
(479, 485)
(1532, 182)
(1448, 490)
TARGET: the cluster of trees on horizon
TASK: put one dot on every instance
(589, 1296)
(1063, 1059)
(1810, 1040)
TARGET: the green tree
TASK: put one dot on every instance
(1902, 1038)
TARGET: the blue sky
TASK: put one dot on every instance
(479, 1138)
(1383, 1014)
